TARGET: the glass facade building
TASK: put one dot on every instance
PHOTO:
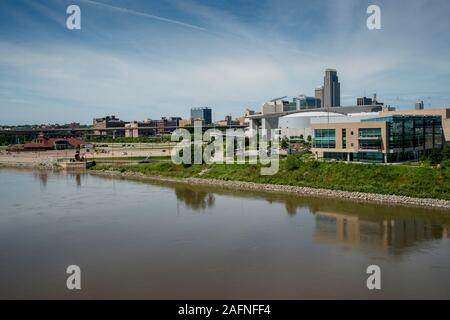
(302, 102)
(412, 136)
(202, 113)
(396, 138)
(306, 102)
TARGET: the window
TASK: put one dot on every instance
(324, 138)
(335, 156)
(370, 133)
(370, 139)
(344, 138)
(368, 157)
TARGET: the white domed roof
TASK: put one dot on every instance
(313, 114)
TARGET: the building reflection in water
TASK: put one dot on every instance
(42, 176)
(195, 198)
(386, 234)
(78, 180)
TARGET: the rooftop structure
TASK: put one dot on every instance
(299, 124)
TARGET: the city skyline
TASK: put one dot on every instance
(143, 60)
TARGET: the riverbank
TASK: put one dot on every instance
(50, 159)
(295, 190)
(30, 162)
(399, 184)
(399, 180)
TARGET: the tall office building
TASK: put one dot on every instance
(204, 114)
(331, 89)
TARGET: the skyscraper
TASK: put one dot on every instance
(331, 89)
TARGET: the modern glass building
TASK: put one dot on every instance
(410, 137)
(390, 138)
(302, 102)
(204, 113)
(305, 102)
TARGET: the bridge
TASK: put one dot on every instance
(91, 130)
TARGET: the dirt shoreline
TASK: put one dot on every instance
(300, 191)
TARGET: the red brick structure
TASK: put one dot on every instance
(44, 143)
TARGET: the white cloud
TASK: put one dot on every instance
(155, 72)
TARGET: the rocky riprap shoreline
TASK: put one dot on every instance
(301, 191)
(28, 162)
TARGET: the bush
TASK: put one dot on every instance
(292, 162)
(445, 164)
(446, 153)
(315, 164)
(435, 156)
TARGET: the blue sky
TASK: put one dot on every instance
(147, 59)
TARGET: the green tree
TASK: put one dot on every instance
(284, 143)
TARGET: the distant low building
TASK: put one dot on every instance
(105, 123)
(73, 125)
(44, 143)
(151, 127)
(364, 101)
(168, 125)
(318, 94)
(228, 121)
(186, 122)
(243, 120)
(136, 129)
(274, 106)
(419, 105)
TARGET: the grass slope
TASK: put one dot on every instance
(403, 180)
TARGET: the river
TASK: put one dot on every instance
(141, 240)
